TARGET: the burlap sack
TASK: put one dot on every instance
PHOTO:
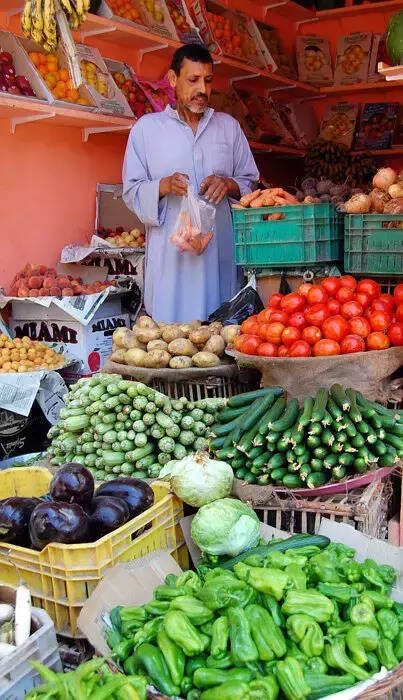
(192, 374)
(367, 372)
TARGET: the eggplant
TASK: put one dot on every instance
(58, 522)
(106, 514)
(72, 483)
(15, 513)
(136, 493)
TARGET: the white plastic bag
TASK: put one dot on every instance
(194, 226)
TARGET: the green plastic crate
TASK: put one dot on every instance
(308, 233)
(370, 246)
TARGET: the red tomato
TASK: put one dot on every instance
(279, 316)
(399, 312)
(398, 293)
(316, 314)
(333, 307)
(348, 281)
(351, 309)
(282, 351)
(311, 334)
(250, 344)
(367, 313)
(250, 326)
(359, 326)
(335, 328)
(274, 331)
(332, 285)
(388, 300)
(290, 335)
(304, 289)
(316, 295)
(297, 320)
(262, 330)
(326, 347)
(370, 287)
(264, 316)
(239, 341)
(345, 294)
(378, 341)
(300, 349)
(267, 350)
(274, 301)
(292, 302)
(352, 343)
(380, 320)
(363, 299)
(395, 333)
(379, 305)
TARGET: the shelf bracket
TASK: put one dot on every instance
(151, 49)
(314, 97)
(305, 21)
(95, 32)
(87, 131)
(238, 78)
(275, 4)
(292, 86)
(15, 121)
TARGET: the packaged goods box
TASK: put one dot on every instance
(313, 60)
(23, 66)
(153, 17)
(352, 61)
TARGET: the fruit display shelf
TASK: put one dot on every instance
(380, 87)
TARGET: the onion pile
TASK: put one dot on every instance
(386, 197)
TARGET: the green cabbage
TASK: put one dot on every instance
(225, 526)
(198, 479)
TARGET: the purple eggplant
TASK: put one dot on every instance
(58, 522)
(15, 513)
(72, 483)
(106, 514)
(138, 495)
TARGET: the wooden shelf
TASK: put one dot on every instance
(381, 86)
(389, 152)
(253, 78)
(365, 8)
(286, 8)
(273, 148)
(121, 33)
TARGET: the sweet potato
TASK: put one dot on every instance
(246, 200)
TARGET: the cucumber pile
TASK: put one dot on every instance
(332, 436)
(115, 426)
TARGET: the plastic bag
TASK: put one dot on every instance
(194, 226)
(244, 304)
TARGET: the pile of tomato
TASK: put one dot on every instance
(337, 317)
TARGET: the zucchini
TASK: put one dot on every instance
(68, 412)
(140, 439)
(186, 438)
(199, 428)
(112, 459)
(354, 411)
(287, 419)
(316, 479)
(247, 398)
(198, 415)
(166, 444)
(319, 405)
(148, 419)
(292, 481)
(109, 418)
(173, 432)
(135, 415)
(180, 451)
(278, 474)
(139, 453)
(164, 458)
(145, 462)
(294, 542)
(162, 419)
(340, 397)
(306, 414)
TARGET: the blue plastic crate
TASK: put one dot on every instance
(373, 244)
(307, 233)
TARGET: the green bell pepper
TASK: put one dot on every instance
(280, 560)
(219, 638)
(157, 607)
(164, 592)
(179, 628)
(296, 577)
(323, 567)
(193, 663)
(336, 657)
(129, 666)
(231, 690)
(113, 638)
(148, 632)
(398, 645)
(379, 599)
(373, 662)
(386, 654)
(194, 609)
(223, 590)
(271, 581)
(186, 685)
(173, 655)
(359, 639)
(341, 592)
(388, 623)
(123, 650)
(264, 688)
(260, 624)
(243, 648)
(291, 679)
(115, 618)
(316, 664)
(352, 571)
(398, 610)
(170, 580)
(152, 660)
(304, 630)
(310, 603)
(139, 683)
(274, 609)
(371, 574)
(297, 653)
(207, 628)
(210, 677)
(361, 614)
(135, 613)
(224, 662)
(322, 685)
(190, 580)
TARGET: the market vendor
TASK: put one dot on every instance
(210, 149)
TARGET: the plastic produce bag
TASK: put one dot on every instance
(194, 226)
(244, 304)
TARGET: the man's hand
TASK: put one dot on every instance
(215, 188)
(174, 184)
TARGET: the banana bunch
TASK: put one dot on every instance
(39, 19)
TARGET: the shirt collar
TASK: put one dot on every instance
(173, 113)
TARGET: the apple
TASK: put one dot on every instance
(9, 80)
(6, 57)
(22, 82)
(14, 90)
(9, 70)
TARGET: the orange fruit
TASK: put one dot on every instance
(63, 75)
(61, 87)
(43, 70)
(59, 94)
(68, 99)
(51, 78)
(35, 58)
(82, 101)
(42, 58)
(69, 84)
(73, 94)
(52, 57)
(52, 67)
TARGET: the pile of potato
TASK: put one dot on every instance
(179, 345)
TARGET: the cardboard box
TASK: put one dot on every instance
(100, 84)
(378, 54)
(160, 93)
(126, 81)
(28, 45)
(276, 58)
(226, 32)
(300, 121)
(313, 59)
(24, 66)
(377, 126)
(231, 103)
(183, 23)
(156, 19)
(339, 123)
(268, 125)
(89, 345)
(352, 60)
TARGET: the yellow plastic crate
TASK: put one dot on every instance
(61, 577)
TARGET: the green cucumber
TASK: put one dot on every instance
(313, 441)
(221, 429)
(317, 479)
(304, 472)
(250, 478)
(287, 419)
(300, 450)
(281, 445)
(241, 472)
(228, 414)
(354, 411)
(394, 440)
(327, 419)
(317, 464)
(380, 448)
(292, 481)
(337, 447)
(388, 459)
(327, 437)
(278, 474)
(334, 410)
(290, 456)
(274, 413)
(346, 459)
(276, 460)
(315, 429)
(357, 441)
(263, 425)
(272, 437)
(226, 453)
(319, 405)
(237, 462)
(339, 472)
(263, 480)
(262, 459)
(305, 417)
(360, 465)
(350, 428)
(247, 398)
(340, 397)
(364, 428)
(320, 452)
(330, 461)
(255, 452)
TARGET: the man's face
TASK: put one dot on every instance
(193, 85)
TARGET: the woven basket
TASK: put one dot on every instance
(390, 688)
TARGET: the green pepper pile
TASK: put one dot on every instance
(92, 679)
(334, 435)
(297, 618)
